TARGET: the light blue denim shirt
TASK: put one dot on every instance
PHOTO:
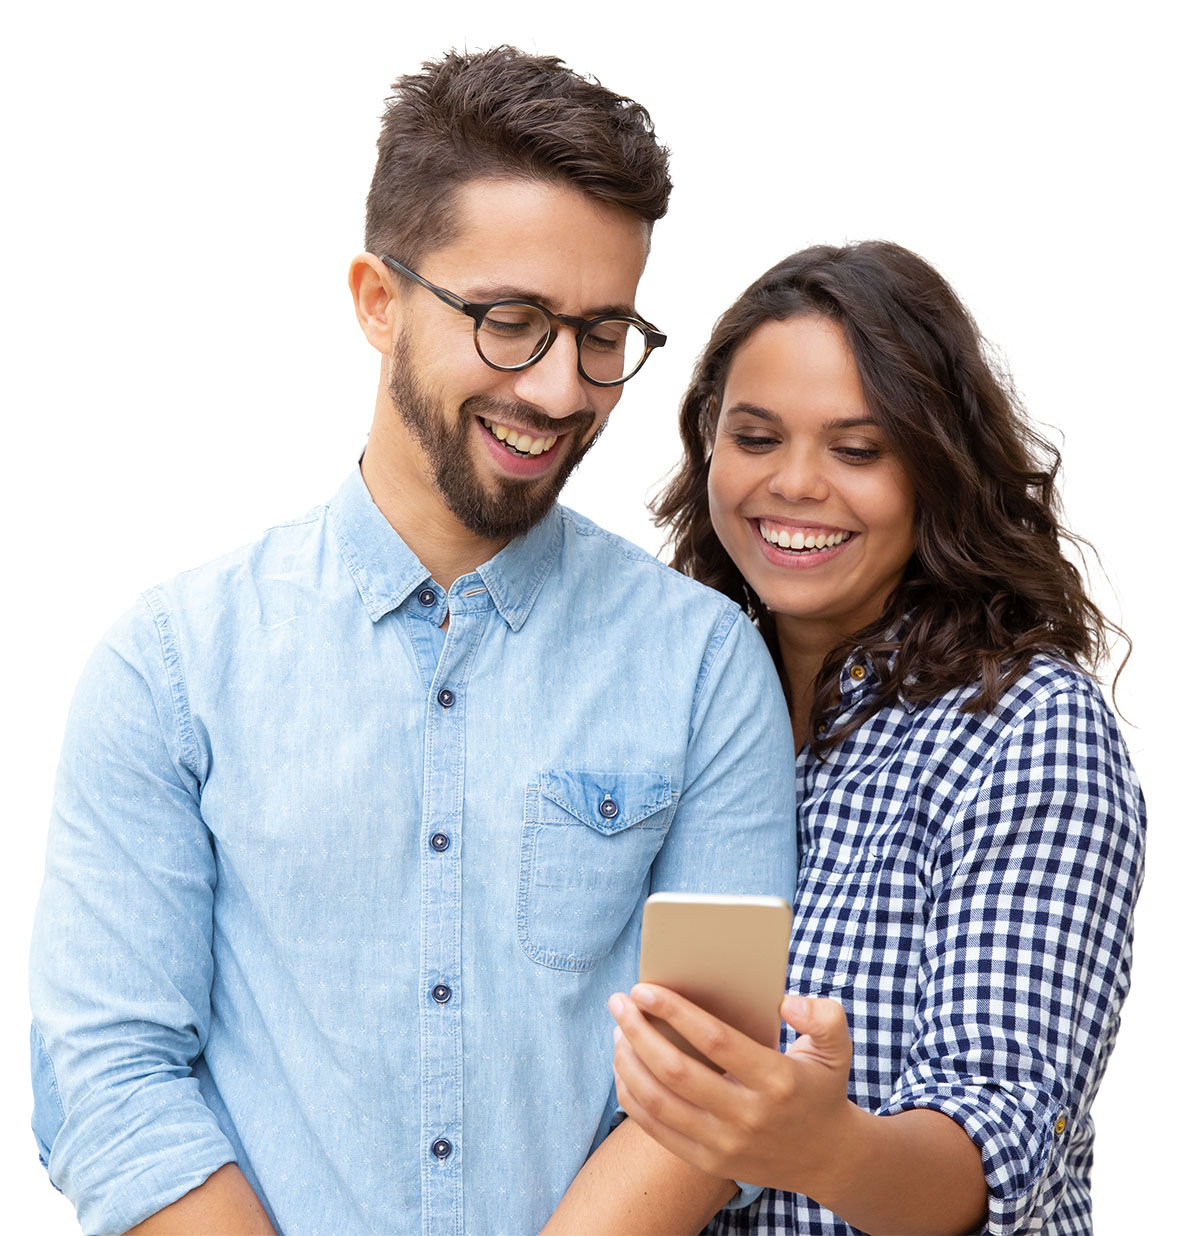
(340, 895)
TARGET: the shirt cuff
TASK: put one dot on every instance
(124, 1158)
(1020, 1143)
(746, 1194)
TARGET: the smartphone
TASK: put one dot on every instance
(726, 953)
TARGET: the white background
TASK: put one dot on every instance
(183, 193)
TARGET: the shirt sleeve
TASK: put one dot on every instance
(121, 964)
(1027, 948)
(734, 829)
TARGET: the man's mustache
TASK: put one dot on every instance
(526, 415)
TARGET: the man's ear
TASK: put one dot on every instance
(375, 303)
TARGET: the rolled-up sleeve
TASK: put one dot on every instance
(1027, 948)
(121, 965)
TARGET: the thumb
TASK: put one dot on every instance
(820, 1025)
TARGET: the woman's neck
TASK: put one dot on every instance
(803, 647)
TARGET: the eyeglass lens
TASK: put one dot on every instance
(510, 334)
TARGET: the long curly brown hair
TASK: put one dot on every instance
(988, 586)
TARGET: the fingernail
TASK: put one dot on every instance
(616, 1004)
(645, 996)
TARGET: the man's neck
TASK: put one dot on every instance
(444, 547)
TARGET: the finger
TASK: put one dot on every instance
(670, 1120)
(821, 1025)
(731, 1050)
(674, 1069)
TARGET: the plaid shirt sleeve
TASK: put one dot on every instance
(1026, 951)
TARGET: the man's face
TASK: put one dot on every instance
(498, 447)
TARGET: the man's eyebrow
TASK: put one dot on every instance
(506, 291)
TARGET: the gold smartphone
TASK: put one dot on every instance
(726, 953)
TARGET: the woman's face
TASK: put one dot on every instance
(804, 492)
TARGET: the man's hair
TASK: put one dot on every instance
(503, 113)
(989, 586)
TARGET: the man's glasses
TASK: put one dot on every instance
(514, 334)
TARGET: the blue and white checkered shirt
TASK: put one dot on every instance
(966, 892)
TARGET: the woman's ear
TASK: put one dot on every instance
(374, 301)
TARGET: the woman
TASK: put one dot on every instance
(858, 478)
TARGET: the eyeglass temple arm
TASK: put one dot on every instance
(455, 302)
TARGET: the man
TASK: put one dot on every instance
(353, 826)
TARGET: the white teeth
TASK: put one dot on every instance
(524, 443)
(799, 542)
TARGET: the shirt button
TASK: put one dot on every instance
(609, 809)
(441, 993)
(822, 728)
(446, 697)
(441, 1148)
(427, 596)
(439, 842)
(858, 672)
(1060, 1124)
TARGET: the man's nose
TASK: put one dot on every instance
(554, 383)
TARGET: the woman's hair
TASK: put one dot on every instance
(987, 587)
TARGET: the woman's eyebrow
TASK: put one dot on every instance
(753, 409)
(765, 414)
(850, 422)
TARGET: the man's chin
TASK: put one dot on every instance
(500, 509)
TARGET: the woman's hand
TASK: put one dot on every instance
(773, 1119)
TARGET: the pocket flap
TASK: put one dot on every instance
(607, 802)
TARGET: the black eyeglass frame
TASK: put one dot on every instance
(478, 310)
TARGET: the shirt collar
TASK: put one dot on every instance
(386, 572)
(858, 679)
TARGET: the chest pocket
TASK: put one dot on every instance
(587, 844)
(860, 916)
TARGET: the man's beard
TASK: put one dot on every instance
(498, 508)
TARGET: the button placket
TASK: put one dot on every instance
(441, 925)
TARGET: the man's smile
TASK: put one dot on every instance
(519, 441)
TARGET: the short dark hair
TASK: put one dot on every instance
(503, 113)
(988, 586)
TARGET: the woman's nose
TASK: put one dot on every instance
(800, 476)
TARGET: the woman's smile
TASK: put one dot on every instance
(804, 491)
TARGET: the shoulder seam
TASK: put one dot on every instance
(726, 620)
(172, 665)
